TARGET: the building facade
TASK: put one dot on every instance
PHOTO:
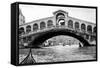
(21, 18)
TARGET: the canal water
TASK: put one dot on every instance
(59, 53)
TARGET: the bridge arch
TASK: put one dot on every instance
(28, 28)
(35, 27)
(77, 25)
(89, 29)
(70, 24)
(94, 30)
(83, 27)
(21, 31)
(60, 18)
(49, 23)
(42, 25)
(51, 33)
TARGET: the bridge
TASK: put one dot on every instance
(36, 32)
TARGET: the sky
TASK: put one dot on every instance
(35, 12)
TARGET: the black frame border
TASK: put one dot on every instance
(47, 4)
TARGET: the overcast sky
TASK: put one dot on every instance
(35, 12)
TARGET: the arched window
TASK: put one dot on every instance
(42, 25)
(35, 27)
(21, 31)
(28, 28)
(89, 29)
(49, 23)
(70, 24)
(76, 25)
(83, 27)
(94, 30)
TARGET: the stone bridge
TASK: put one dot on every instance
(36, 32)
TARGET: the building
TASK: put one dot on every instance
(21, 18)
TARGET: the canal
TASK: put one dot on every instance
(59, 53)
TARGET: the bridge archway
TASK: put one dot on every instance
(35, 27)
(76, 25)
(51, 33)
(60, 18)
(89, 29)
(42, 25)
(94, 30)
(28, 29)
(83, 27)
(70, 24)
(21, 31)
(49, 23)
(61, 22)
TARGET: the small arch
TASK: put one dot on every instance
(76, 25)
(89, 29)
(83, 27)
(94, 30)
(28, 28)
(70, 24)
(21, 31)
(35, 27)
(42, 25)
(49, 23)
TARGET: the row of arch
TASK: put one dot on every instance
(83, 27)
(77, 26)
(36, 27)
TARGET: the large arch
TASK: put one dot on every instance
(70, 24)
(42, 25)
(51, 33)
(89, 29)
(35, 27)
(28, 28)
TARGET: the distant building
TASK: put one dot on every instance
(21, 18)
